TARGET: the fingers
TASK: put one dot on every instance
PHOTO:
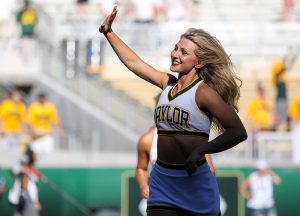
(193, 159)
(107, 23)
(115, 9)
(113, 15)
(191, 167)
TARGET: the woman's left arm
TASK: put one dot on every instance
(275, 178)
(209, 101)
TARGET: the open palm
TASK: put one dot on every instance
(107, 23)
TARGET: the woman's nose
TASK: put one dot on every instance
(174, 54)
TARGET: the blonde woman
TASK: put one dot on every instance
(204, 92)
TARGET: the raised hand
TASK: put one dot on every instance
(107, 23)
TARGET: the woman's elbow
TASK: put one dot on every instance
(240, 134)
(243, 135)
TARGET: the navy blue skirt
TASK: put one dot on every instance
(196, 194)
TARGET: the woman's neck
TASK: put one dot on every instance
(186, 79)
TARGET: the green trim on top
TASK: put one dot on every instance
(170, 97)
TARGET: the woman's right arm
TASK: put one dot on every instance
(141, 171)
(244, 189)
(129, 58)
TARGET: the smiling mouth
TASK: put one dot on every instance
(175, 62)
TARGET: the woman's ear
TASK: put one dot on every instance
(199, 65)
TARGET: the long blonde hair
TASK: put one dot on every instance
(218, 71)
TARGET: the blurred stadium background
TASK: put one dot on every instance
(104, 108)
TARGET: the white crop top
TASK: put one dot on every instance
(179, 114)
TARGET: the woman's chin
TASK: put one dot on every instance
(173, 69)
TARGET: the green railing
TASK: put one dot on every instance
(103, 188)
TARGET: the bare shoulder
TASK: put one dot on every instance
(146, 139)
(205, 94)
(205, 90)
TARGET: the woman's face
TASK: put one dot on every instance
(183, 58)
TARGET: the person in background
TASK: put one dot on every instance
(177, 10)
(260, 198)
(287, 9)
(27, 165)
(25, 198)
(147, 154)
(143, 16)
(82, 7)
(196, 8)
(24, 193)
(12, 120)
(259, 115)
(143, 12)
(205, 91)
(280, 81)
(294, 114)
(42, 118)
(27, 19)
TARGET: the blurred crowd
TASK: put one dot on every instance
(280, 113)
(20, 19)
(21, 125)
(169, 10)
(29, 130)
(25, 15)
